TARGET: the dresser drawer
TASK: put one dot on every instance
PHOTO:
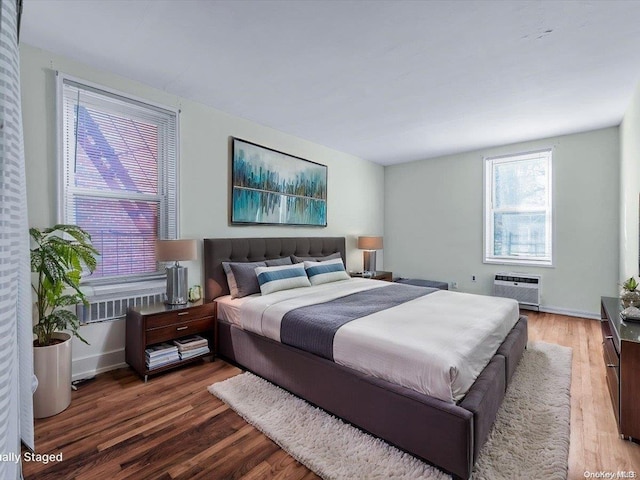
(177, 330)
(605, 327)
(614, 392)
(179, 316)
(611, 357)
(612, 372)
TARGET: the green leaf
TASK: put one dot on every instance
(630, 285)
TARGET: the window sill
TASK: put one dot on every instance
(523, 262)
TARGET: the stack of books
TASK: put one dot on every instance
(161, 354)
(189, 347)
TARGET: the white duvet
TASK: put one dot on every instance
(436, 344)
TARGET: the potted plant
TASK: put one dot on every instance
(58, 257)
(630, 296)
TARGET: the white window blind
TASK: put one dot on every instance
(518, 209)
(119, 176)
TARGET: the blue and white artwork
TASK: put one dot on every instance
(271, 187)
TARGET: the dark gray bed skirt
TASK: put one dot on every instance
(446, 435)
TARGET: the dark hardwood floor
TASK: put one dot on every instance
(118, 427)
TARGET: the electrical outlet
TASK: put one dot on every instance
(454, 285)
(473, 278)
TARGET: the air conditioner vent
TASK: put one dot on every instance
(524, 288)
(113, 309)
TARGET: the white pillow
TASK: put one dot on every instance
(273, 279)
(325, 272)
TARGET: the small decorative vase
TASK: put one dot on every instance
(195, 293)
(630, 298)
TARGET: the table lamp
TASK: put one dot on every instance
(369, 245)
(177, 282)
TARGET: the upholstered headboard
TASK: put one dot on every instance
(218, 250)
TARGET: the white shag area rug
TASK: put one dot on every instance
(530, 438)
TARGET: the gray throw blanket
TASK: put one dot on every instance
(312, 328)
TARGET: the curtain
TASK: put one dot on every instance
(16, 348)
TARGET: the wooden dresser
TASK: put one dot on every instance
(160, 323)
(621, 351)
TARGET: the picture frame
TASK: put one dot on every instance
(269, 187)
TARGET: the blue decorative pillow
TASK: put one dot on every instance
(273, 279)
(241, 277)
(325, 272)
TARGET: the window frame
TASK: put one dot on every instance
(488, 224)
(168, 175)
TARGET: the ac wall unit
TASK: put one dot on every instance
(522, 287)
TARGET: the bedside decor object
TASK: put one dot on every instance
(195, 293)
(274, 188)
(377, 275)
(58, 257)
(369, 245)
(177, 281)
(631, 314)
(630, 296)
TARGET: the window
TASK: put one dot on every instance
(518, 214)
(118, 176)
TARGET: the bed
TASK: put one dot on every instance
(447, 434)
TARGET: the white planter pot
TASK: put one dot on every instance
(52, 367)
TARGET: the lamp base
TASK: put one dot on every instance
(369, 260)
(177, 291)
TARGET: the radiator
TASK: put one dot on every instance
(522, 287)
(114, 308)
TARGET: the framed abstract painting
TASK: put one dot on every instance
(273, 188)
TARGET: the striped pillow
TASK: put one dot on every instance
(325, 272)
(273, 279)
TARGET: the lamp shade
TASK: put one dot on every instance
(369, 243)
(176, 250)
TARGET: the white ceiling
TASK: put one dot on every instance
(388, 81)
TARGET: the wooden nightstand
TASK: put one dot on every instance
(378, 275)
(160, 323)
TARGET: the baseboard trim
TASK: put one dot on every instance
(569, 312)
(92, 365)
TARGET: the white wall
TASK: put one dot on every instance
(630, 188)
(355, 186)
(434, 221)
